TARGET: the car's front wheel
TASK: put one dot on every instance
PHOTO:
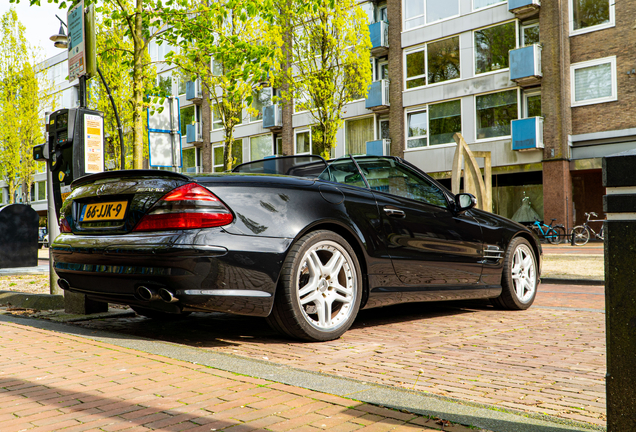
(320, 288)
(520, 277)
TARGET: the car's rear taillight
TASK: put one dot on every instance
(186, 207)
(65, 227)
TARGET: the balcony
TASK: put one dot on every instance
(524, 7)
(193, 133)
(379, 147)
(379, 33)
(272, 117)
(527, 134)
(194, 92)
(525, 65)
(378, 97)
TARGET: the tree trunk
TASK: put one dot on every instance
(138, 125)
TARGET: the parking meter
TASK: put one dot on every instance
(74, 149)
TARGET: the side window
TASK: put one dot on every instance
(389, 176)
(344, 172)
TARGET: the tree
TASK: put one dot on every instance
(23, 92)
(327, 65)
(113, 49)
(223, 43)
(139, 21)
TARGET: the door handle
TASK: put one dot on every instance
(394, 212)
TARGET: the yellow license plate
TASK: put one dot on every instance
(104, 211)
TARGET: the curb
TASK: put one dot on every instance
(32, 301)
(562, 281)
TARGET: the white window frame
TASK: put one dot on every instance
(522, 27)
(519, 112)
(428, 125)
(344, 129)
(582, 65)
(526, 95)
(426, 22)
(311, 143)
(215, 146)
(472, 4)
(425, 49)
(610, 24)
(475, 48)
(271, 144)
(271, 95)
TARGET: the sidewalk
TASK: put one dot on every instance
(57, 377)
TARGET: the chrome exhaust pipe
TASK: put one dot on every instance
(146, 294)
(167, 296)
(63, 283)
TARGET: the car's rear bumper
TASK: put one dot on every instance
(205, 270)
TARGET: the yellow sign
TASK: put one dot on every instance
(94, 142)
(61, 175)
(104, 211)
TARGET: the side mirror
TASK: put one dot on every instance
(464, 201)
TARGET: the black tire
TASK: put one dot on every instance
(552, 236)
(298, 307)
(519, 281)
(561, 235)
(581, 235)
(159, 315)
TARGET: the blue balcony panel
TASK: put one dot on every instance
(378, 147)
(525, 65)
(523, 6)
(192, 134)
(378, 96)
(272, 117)
(527, 134)
(193, 91)
(379, 34)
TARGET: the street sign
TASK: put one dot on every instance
(94, 142)
(164, 137)
(76, 42)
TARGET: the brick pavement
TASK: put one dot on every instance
(55, 381)
(549, 359)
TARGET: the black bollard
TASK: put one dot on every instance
(619, 204)
(18, 236)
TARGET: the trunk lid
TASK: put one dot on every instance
(113, 202)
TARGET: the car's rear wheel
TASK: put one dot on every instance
(320, 288)
(520, 277)
(159, 315)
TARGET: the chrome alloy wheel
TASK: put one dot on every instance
(524, 273)
(327, 285)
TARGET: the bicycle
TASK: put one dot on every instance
(581, 233)
(552, 233)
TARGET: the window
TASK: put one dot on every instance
(260, 99)
(164, 84)
(41, 186)
(593, 81)
(443, 60)
(495, 111)
(357, 133)
(181, 86)
(187, 117)
(303, 142)
(530, 34)
(389, 176)
(217, 155)
(217, 122)
(445, 119)
(591, 15)
(439, 61)
(369, 10)
(478, 4)
(417, 129)
(533, 105)
(260, 147)
(492, 45)
(420, 12)
(189, 160)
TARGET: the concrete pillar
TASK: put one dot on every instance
(620, 285)
(79, 304)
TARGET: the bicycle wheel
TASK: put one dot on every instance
(552, 236)
(560, 231)
(581, 235)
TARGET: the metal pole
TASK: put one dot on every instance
(119, 128)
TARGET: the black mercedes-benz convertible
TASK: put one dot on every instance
(302, 241)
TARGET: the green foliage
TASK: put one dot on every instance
(326, 64)
(224, 44)
(23, 91)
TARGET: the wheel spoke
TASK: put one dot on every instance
(333, 266)
(312, 285)
(314, 264)
(324, 313)
(315, 297)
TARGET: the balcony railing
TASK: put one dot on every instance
(379, 34)
(378, 97)
(193, 133)
(379, 147)
(272, 116)
(193, 91)
(525, 65)
(523, 7)
(527, 134)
